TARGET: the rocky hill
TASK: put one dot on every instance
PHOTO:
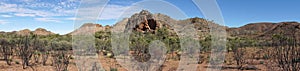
(287, 29)
(145, 21)
(24, 32)
(265, 31)
(42, 31)
(250, 30)
(89, 28)
(38, 31)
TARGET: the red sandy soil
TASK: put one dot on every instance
(107, 63)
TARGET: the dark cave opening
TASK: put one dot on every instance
(152, 24)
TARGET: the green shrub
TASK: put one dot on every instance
(17, 62)
(266, 56)
(261, 62)
(113, 69)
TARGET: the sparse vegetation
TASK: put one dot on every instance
(286, 54)
(25, 50)
(7, 49)
(247, 47)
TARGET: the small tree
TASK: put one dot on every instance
(7, 50)
(41, 49)
(61, 60)
(25, 50)
(103, 40)
(61, 57)
(238, 51)
(45, 52)
(286, 53)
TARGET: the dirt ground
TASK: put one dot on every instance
(107, 63)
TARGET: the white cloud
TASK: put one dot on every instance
(66, 8)
(71, 18)
(48, 19)
(112, 12)
(25, 14)
(39, 9)
(76, 18)
(3, 22)
(26, 0)
(6, 16)
(109, 12)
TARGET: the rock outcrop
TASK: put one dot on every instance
(145, 21)
(142, 22)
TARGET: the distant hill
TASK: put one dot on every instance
(89, 28)
(38, 31)
(145, 21)
(287, 29)
(250, 30)
(265, 31)
(42, 31)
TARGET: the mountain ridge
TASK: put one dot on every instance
(145, 21)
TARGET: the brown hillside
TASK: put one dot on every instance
(42, 31)
(287, 29)
(250, 30)
(89, 28)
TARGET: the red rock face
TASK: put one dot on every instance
(142, 22)
(147, 25)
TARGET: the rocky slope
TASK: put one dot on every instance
(89, 28)
(287, 29)
(145, 21)
(265, 31)
(24, 32)
(250, 30)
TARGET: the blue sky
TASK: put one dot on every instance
(58, 15)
